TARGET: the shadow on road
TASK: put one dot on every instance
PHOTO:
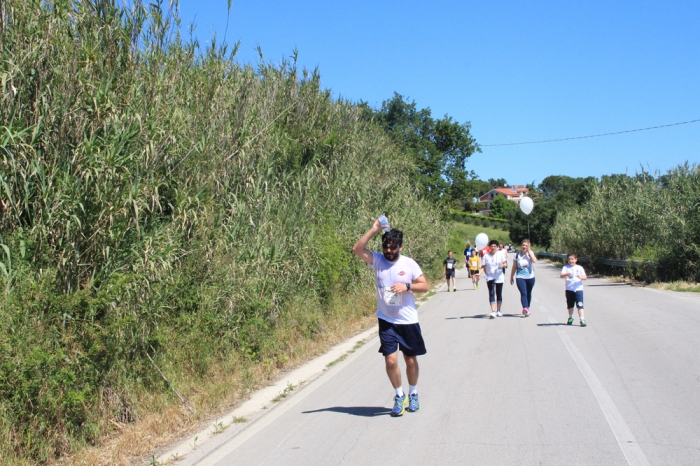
(482, 316)
(363, 411)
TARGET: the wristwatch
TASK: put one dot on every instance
(408, 287)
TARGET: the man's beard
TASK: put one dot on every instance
(391, 256)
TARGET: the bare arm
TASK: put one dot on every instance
(419, 285)
(360, 248)
(533, 258)
(512, 272)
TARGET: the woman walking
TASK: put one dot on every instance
(493, 263)
(522, 264)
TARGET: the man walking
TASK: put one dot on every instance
(397, 278)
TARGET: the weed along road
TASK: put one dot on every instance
(625, 390)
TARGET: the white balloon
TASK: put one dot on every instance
(481, 240)
(526, 205)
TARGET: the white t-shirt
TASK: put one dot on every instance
(574, 283)
(493, 265)
(395, 308)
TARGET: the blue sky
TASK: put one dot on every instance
(517, 70)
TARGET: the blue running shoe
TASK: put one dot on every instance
(399, 405)
(413, 403)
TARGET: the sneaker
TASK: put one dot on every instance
(492, 316)
(498, 314)
(583, 322)
(454, 289)
(399, 405)
(413, 403)
(526, 312)
(570, 321)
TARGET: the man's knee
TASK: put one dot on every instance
(391, 360)
(411, 361)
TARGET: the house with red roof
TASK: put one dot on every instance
(512, 193)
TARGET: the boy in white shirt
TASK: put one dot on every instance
(574, 275)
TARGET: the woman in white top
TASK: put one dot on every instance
(522, 264)
(493, 264)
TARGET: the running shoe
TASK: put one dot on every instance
(413, 403)
(399, 405)
(492, 316)
(454, 289)
(498, 314)
(526, 312)
(570, 321)
(583, 322)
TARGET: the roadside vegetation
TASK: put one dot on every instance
(174, 227)
(649, 217)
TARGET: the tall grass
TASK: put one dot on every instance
(650, 217)
(161, 200)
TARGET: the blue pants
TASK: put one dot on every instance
(495, 291)
(525, 286)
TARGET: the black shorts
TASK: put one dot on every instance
(405, 337)
(574, 298)
(450, 273)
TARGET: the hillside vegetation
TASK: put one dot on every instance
(160, 201)
(648, 217)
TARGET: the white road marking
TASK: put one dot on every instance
(625, 439)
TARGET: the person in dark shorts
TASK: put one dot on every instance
(574, 275)
(450, 264)
(397, 277)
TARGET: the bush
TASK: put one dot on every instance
(162, 201)
(647, 217)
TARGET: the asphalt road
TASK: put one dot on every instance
(507, 391)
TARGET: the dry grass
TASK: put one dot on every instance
(129, 443)
(677, 286)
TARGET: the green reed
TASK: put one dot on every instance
(160, 199)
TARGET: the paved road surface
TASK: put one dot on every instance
(508, 391)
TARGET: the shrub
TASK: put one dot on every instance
(164, 202)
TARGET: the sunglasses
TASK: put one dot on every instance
(390, 248)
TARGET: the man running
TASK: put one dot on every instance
(450, 265)
(397, 278)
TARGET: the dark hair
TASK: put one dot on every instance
(492, 242)
(572, 254)
(393, 236)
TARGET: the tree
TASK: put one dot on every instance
(557, 193)
(500, 206)
(467, 190)
(439, 148)
(498, 182)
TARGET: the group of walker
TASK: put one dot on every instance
(494, 265)
(397, 277)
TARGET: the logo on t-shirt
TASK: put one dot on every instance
(402, 273)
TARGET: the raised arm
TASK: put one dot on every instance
(360, 248)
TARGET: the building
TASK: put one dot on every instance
(512, 193)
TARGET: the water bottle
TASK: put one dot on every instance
(384, 222)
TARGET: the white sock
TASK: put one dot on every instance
(399, 392)
(412, 389)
